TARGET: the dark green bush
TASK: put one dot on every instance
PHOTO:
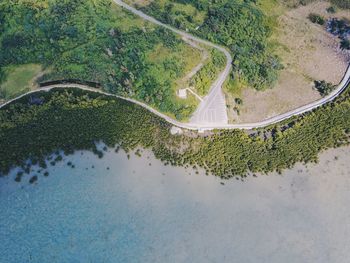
(345, 44)
(317, 19)
(74, 120)
(323, 87)
(239, 25)
(331, 10)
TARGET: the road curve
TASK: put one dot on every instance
(211, 113)
(204, 126)
(212, 110)
(199, 127)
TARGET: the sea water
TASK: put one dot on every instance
(117, 209)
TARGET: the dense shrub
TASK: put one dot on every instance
(85, 39)
(71, 120)
(317, 19)
(236, 24)
(345, 44)
(323, 87)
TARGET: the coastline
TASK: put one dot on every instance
(140, 210)
(58, 123)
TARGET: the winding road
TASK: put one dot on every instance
(210, 115)
(212, 110)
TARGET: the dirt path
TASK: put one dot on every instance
(205, 56)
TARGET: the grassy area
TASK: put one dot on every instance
(345, 4)
(19, 79)
(307, 53)
(126, 21)
(187, 58)
(241, 26)
(204, 78)
(96, 40)
(341, 3)
(184, 15)
(184, 58)
(188, 12)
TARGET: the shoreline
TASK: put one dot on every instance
(155, 213)
(324, 157)
(225, 154)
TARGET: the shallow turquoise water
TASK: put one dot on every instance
(136, 212)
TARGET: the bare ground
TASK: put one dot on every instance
(308, 53)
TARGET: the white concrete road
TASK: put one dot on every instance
(202, 127)
(212, 110)
(211, 113)
(208, 116)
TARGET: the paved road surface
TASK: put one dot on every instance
(211, 112)
(202, 127)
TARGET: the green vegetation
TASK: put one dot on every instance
(71, 120)
(340, 28)
(238, 101)
(208, 73)
(331, 10)
(18, 80)
(323, 87)
(317, 19)
(94, 40)
(239, 25)
(341, 3)
(345, 44)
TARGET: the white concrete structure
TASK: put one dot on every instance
(182, 93)
(209, 115)
(176, 130)
(212, 109)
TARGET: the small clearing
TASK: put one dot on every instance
(19, 79)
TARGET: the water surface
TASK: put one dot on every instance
(139, 210)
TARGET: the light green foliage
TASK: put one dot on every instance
(239, 25)
(186, 15)
(93, 40)
(203, 80)
(18, 79)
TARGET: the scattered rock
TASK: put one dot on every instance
(176, 130)
(33, 179)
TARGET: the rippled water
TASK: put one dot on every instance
(139, 210)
